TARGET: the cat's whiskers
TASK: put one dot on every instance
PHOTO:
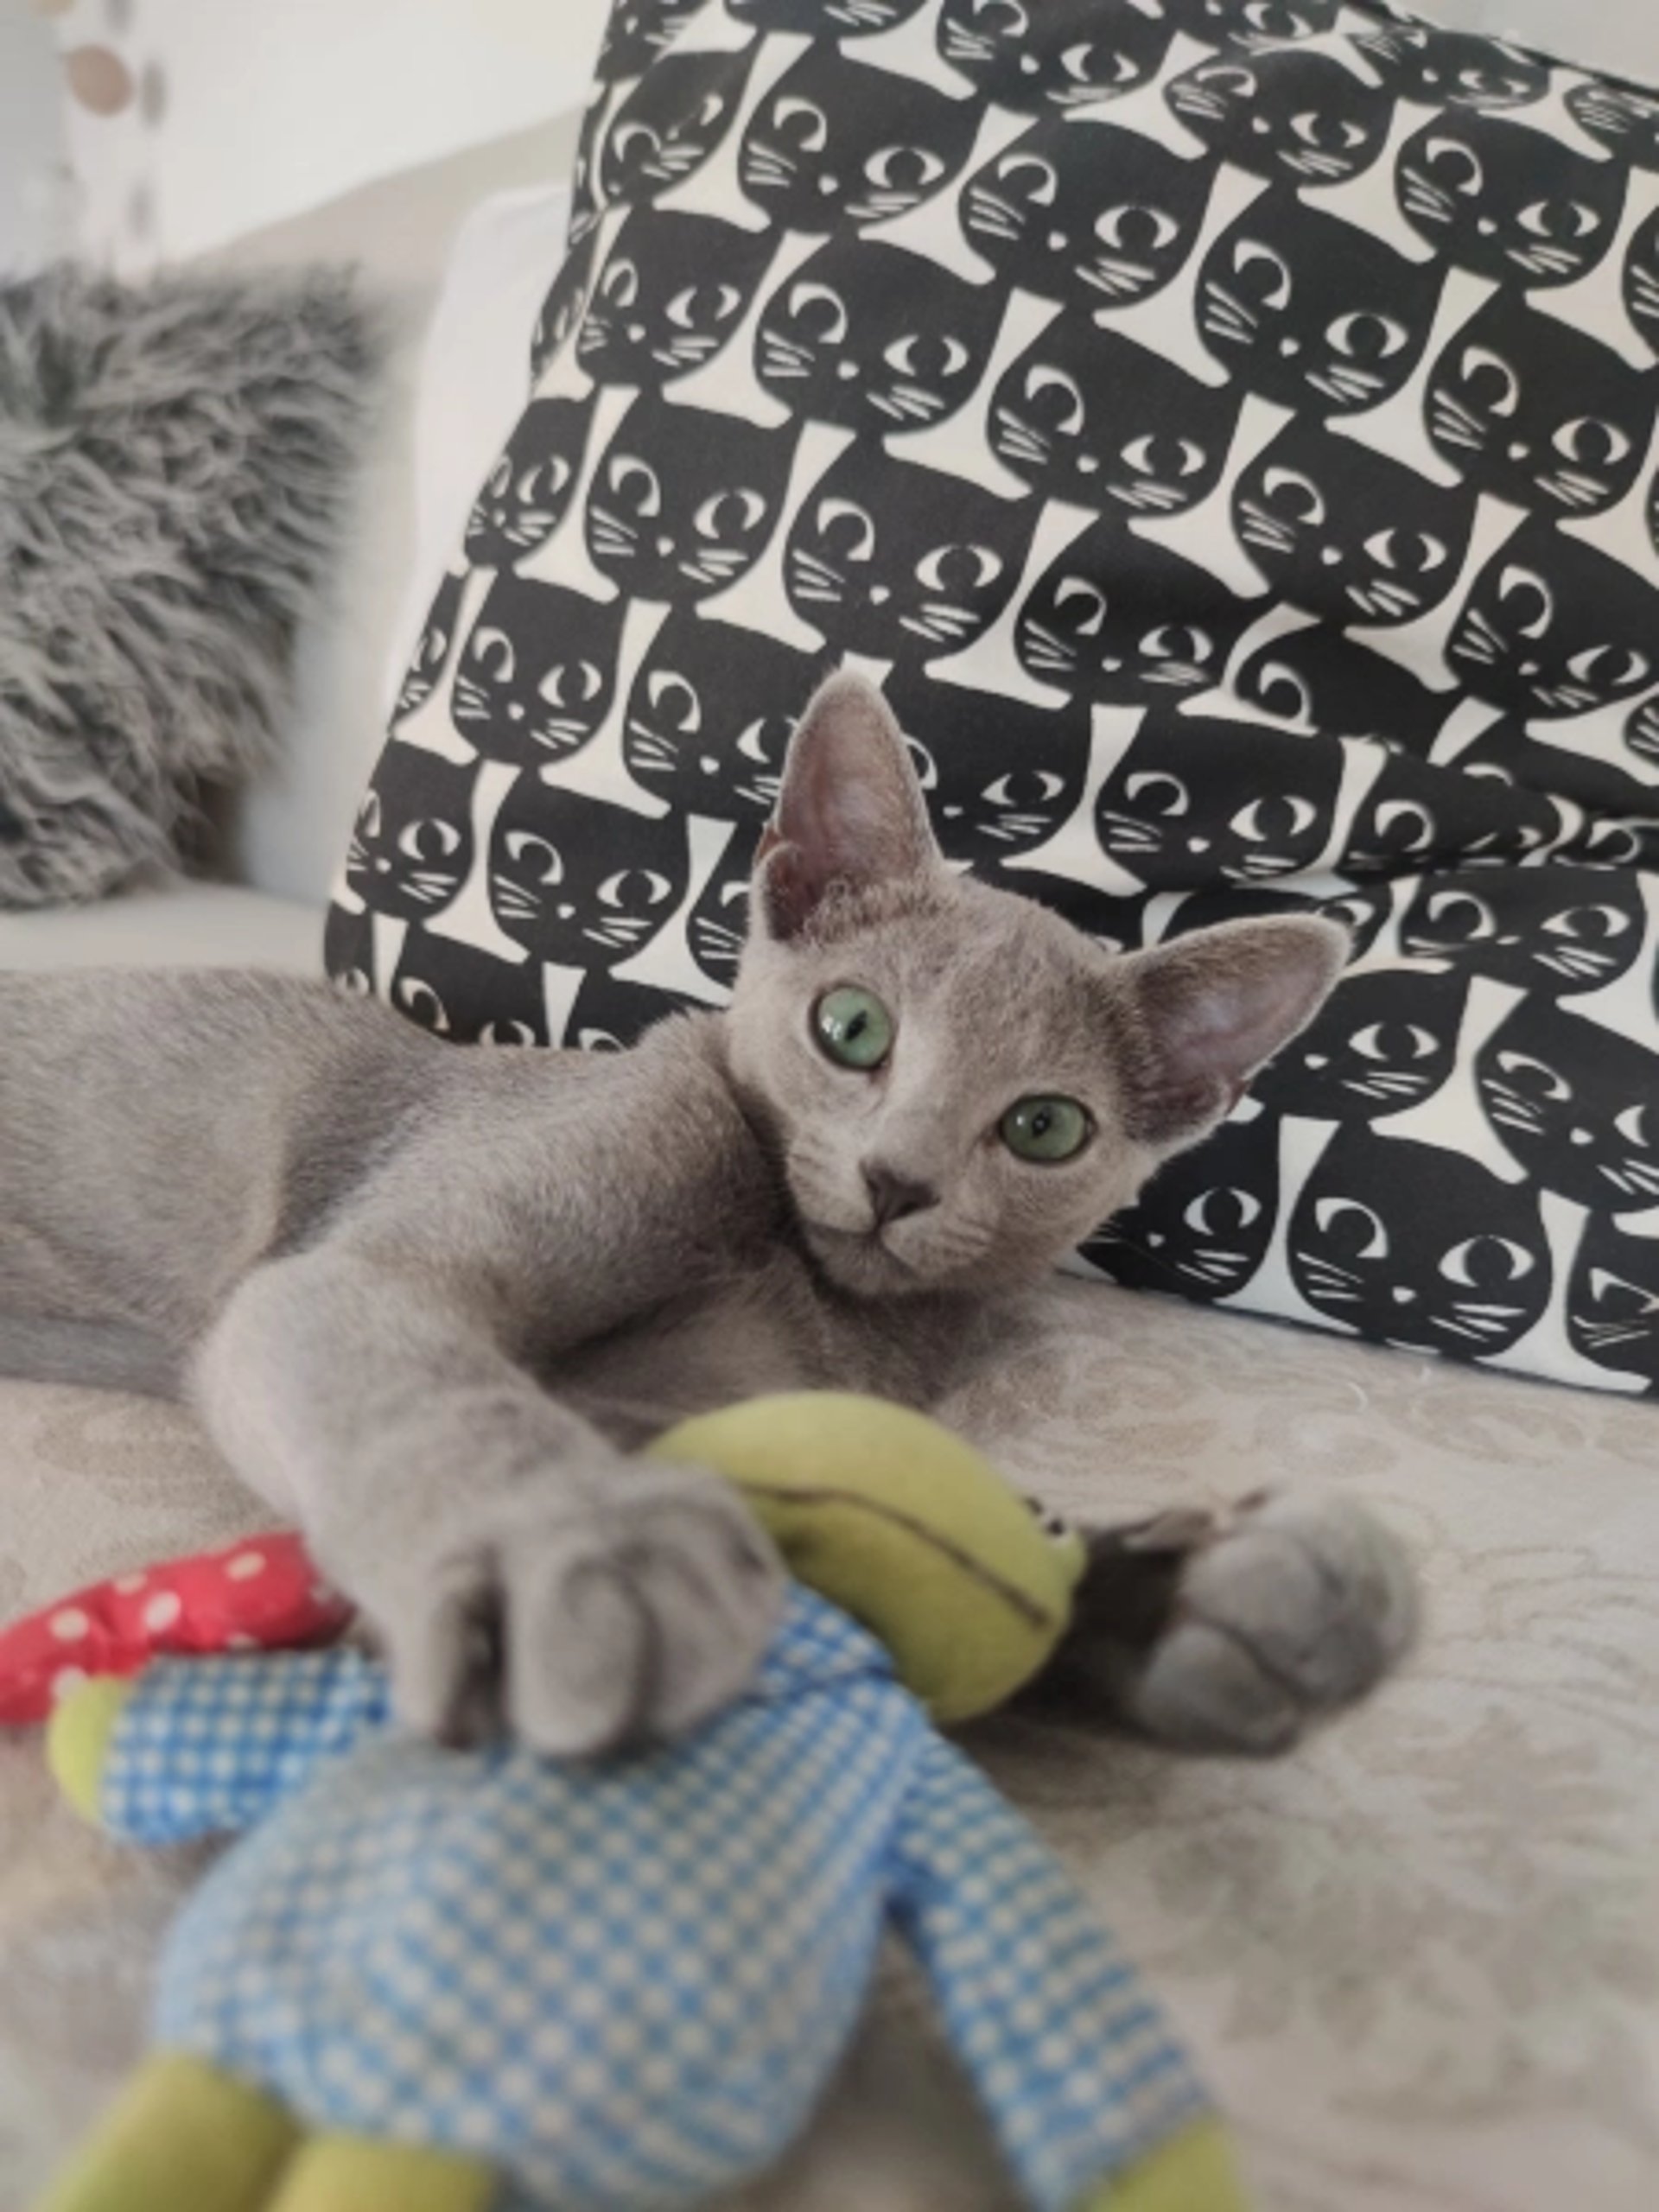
(989, 212)
(1420, 195)
(1544, 260)
(958, 43)
(1012, 435)
(1324, 167)
(1160, 498)
(1044, 648)
(1224, 314)
(1574, 487)
(1351, 384)
(1116, 275)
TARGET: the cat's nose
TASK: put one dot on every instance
(894, 1197)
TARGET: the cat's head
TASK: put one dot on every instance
(1309, 311)
(524, 498)
(835, 141)
(1539, 414)
(1508, 202)
(1453, 68)
(673, 290)
(411, 844)
(1025, 56)
(1298, 115)
(1553, 627)
(959, 1085)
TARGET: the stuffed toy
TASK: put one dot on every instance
(432, 1980)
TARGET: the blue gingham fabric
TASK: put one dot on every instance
(625, 1984)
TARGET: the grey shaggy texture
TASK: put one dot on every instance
(174, 460)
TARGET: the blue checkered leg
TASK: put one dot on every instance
(208, 1746)
(1078, 2069)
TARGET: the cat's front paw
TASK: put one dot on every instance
(620, 1610)
(1284, 1610)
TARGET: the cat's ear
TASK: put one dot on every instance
(850, 811)
(1208, 1010)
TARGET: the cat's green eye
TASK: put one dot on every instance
(1045, 1130)
(854, 1028)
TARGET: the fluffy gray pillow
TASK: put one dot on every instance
(172, 462)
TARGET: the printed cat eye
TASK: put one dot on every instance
(1046, 1130)
(853, 1028)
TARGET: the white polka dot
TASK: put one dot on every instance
(245, 1566)
(70, 1625)
(124, 1584)
(68, 1679)
(163, 1609)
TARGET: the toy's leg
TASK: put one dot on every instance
(350, 2173)
(1194, 2173)
(180, 2134)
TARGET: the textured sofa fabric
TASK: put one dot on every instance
(1419, 1959)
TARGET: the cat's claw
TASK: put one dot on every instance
(1286, 1608)
(627, 1614)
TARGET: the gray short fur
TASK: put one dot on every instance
(424, 1295)
(173, 459)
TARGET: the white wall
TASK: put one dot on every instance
(249, 113)
(33, 199)
(1621, 34)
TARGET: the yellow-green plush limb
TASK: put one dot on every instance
(891, 1517)
(346, 2173)
(1194, 2172)
(77, 1741)
(182, 2136)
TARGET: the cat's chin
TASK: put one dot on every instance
(860, 1264)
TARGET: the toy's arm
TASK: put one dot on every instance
(1092, 2098)
(204, 1746)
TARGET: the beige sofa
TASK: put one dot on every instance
(1420, 1958)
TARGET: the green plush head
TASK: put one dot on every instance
(907, 1529)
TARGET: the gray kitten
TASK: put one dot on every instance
(424, 1298)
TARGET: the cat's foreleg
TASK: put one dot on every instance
(516, 1567)
(1235, 1631)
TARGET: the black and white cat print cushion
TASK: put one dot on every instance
(1226, 428)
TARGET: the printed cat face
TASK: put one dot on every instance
(1557, 929)
(555, 887)
(1537, 413)
(1641, 280)
(1324, 682)
(609, 1016)
(348, 951)
(1086, 213)
(411, 845)
(670, 122)
(1613, 1302)
(868, 335)
(718, 923)
(1251, 22)
(1575, 1104)
(1594, 782)
(846, 18)
(999, 777)
(685, 500)
(1336, 528)
(711, 714)
(1553, 627)
(1099, 624)
(1205, 1223)
(1031, 55)
(1626, 121)
(638, 32)
(1453, 68)
(468, 997)
(1311, 313)
(1509, 202)
(1194, 799)
(1641, 731)
(432, 653)
(562, 310)
(837, 141)
(673, 290)
(1416, 817)
(1418, 1247)
(903, 563)
(1380, 1043)
(1300, 116)
(525, 496)
(538, 672)
(1087, 415)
